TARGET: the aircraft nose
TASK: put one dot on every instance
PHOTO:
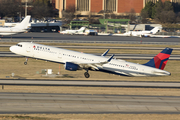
(11, 48)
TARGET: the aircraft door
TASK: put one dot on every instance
(28, 49)
(60, 54)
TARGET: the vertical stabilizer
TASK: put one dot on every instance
(160, 60)
(82, 29)
(24, 24)
(155, 30)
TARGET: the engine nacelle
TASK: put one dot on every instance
(71, 66)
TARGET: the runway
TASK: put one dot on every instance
(51, 103)
(90, 83)
(59, 38)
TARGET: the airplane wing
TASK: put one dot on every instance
(93, 66)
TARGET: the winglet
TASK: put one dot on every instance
(105, 53)
(110, 58)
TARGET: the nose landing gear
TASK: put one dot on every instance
(25, 63)
(86, 74)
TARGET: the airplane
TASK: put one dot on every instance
(143, 33)
(74, 60)
(19, 28)
(80, 31)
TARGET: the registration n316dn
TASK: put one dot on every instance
(74, 60)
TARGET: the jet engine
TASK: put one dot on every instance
(71, 66)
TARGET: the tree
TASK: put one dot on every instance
(132, 15)
(144, 15)
(42, 8)
(178, 17)
(45, 2)
(69, 13)
(157, 9)
(148, 8)
(9, 8)
(167, 6)
(170, 17)
(167, 15)
(163, 12)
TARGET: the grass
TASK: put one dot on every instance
(21, 117)
(91, 117)
(35, 67)
(92, 90)
(4, 49)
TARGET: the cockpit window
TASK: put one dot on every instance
(19, 45)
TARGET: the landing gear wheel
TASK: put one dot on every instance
(86, 74)
(25, 63)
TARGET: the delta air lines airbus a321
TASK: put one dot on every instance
(74, 60)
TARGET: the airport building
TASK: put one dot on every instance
(85, 7)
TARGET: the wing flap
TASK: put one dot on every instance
(94, 66)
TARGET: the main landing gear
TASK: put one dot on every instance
(25, 63)
(86, 74)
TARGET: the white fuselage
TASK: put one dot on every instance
(59, 55)
(19, 28)
(69, 32)
(143, 33)
(10, 31)
(80, 31)
(137, 33)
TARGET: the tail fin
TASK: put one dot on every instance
(82, 28)
(160, 60)
(155, 30)
(24, 24)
